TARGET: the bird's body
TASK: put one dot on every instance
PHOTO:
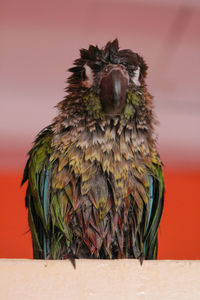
(95, 183)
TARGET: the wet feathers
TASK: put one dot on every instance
(95, 181)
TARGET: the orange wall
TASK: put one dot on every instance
(178, 235)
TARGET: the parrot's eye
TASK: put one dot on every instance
(87, 76)
(136, 76)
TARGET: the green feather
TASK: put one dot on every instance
(38, 192)
(150, 238)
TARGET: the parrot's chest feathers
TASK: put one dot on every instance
(104, 159)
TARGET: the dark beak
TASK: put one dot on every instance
(113, 90)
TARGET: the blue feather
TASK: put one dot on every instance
(45, 204)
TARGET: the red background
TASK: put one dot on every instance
(178, 234)
(39, 41)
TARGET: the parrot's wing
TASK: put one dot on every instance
(154, 213)
(38, 174)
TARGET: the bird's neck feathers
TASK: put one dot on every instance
(82, 122)
(87, 105)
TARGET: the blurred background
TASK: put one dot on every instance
(39, 41)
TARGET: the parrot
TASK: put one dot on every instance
(95, 184)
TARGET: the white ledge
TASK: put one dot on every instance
(99, 279)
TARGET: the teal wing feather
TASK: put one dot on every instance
(150, 198)
(38, 174)
(156, 202)
(45, 196)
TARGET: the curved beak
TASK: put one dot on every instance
(113, 89)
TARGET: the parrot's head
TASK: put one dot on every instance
(109, 81)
